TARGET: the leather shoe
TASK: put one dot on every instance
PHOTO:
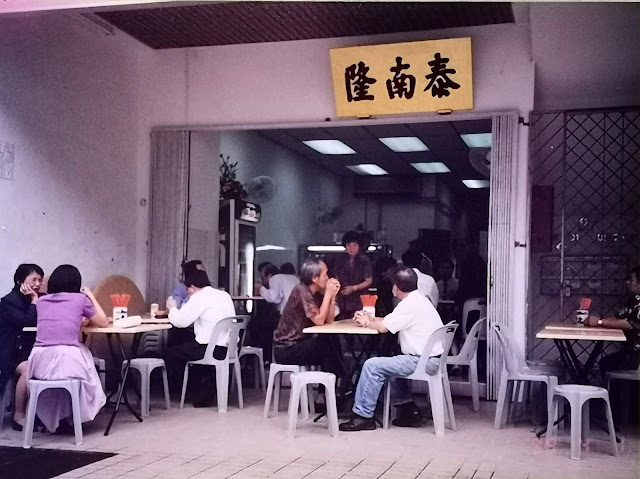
(409, 415)
(358, 423)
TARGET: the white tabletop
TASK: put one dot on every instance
(143, 328)
(574, 327)
(345, 326)
(582, 333)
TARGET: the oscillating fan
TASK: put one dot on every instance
(261, 189)
(480, 159)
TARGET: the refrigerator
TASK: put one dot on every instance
(237, 227)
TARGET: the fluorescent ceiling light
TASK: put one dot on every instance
(477, 140)
(435, 167)
(404, 144)
(325, 248)
(330, 248)
(367, 169)
(476, 183)
(270, 247)
(329, 147)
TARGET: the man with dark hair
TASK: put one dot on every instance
(412, 258)
(312, 302)
(414, 319)
(628, 320)
(288, 268)
(205, 308)
(276, 286)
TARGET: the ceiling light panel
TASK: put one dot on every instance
(404, 144)
(477, 140)
(434, 167)
(330, 147)
(475, 184)
(367, 169)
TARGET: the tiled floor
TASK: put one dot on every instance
(202, 444)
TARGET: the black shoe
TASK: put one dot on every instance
(16, 426)
(358, 423)
(37, 427)
(409, 416)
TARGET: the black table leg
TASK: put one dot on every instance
(123, 379)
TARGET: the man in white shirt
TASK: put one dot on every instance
(426, 284)
(276, 287)
(205, 308)
(414, 319)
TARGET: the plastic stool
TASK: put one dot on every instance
(299, 382)
(257, 352)
(273, 388)
(578, 397)
(35, 388)
(101, 366)
(6, 398)
(145, 367)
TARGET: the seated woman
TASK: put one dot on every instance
(17, 310)
(58, 354)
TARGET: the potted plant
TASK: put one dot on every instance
(230, 188)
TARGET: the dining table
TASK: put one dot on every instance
(149, 324)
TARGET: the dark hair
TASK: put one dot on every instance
(310, 269)
(350, 237)
(23, 271)
(287, 268)
(412, 258)
(270, 270)
(263, 265)
(405, 279)
(65, 279)
(197, 278)
(190, 265)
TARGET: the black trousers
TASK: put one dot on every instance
(319, 349)
(618, 361)
(176, 358)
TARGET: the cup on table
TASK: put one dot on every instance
(120, 312)
(370, 310)
(582, 315)
(153, 309)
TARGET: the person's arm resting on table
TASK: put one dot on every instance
(99, 319)
(327, 312)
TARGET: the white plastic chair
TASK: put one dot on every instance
(468, 356)
(515, 368)
(439, 388)
(36, 386)
(230, 327)
(578, 397)
(473, 304)
(299, 383)
(259, 370)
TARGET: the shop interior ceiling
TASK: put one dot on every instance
(229, 23)
(442, 138)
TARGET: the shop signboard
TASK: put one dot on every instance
(424, 76)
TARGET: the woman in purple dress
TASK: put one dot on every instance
(58, 354)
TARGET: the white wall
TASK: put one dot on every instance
(69, 102)
(289, 218)
(586, 54)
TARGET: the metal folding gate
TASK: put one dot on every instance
(585, 229)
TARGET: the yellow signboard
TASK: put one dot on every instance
(412, 77)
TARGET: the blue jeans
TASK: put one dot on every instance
(376, 371)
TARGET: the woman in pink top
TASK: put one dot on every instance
(58, 354)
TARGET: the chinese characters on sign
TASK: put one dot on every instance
(403, 78)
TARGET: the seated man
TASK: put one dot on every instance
(312, 302)
(179, 293)
(414, 319)
(205, 308)
(628, 319)
(427, 286)
(276, 286)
